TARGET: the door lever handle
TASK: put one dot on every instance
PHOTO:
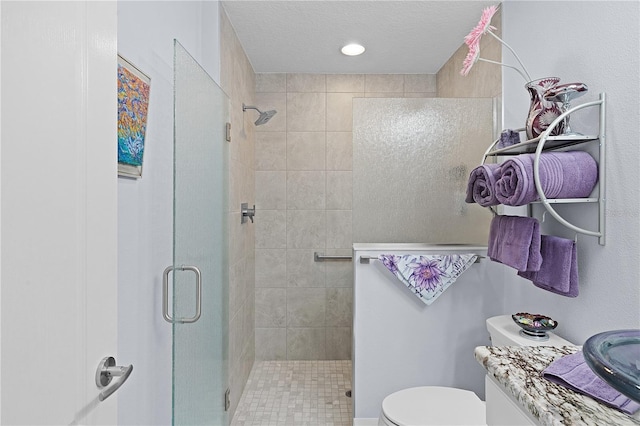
(107, 370)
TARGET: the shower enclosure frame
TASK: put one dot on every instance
(198, 290)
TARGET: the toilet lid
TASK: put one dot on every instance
(434, 405)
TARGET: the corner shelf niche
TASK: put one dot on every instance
(546, 142)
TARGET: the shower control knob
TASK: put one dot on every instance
(246, 212)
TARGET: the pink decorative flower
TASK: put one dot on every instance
(470, 59)
(472, 40)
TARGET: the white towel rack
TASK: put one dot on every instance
(546, 142)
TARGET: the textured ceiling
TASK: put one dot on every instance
(305, 36)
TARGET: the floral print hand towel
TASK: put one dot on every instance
(427, 276)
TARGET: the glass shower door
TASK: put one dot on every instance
(200, 342)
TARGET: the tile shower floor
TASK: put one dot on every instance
(296, 393)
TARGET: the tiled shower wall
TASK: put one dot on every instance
(303, 187)
(238, 81)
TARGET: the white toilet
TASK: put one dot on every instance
(434, 405)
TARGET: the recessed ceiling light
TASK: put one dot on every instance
(353, 49)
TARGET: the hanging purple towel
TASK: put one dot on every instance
(427, 276)
(572, 371)
(559, 270)
(515, 241)
(481, 187)
(571, 174)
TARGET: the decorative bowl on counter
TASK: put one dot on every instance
(615, 357)
(534, 326)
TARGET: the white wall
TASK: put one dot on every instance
(596, 43)
(145, 36)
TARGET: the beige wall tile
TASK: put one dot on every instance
(345, 83)
(420, 95)
(235, 337)
(267, 102)
(271, 268)
(242, 131)
(236, 292)
(306, 229)
(270, 229)
(236, 184)
(271, 343)
(271, 190)
(306, 112)
(238, 82)
(339, 233)
(420, 83)
(271, 151)
(338, 309)
(339, 150)
(306, 150)
(384, 83)
(338, 342)
(271, 308)
(303, 271)
(271, 82)
(339, 274)
(384, 94)
(306, 307)
(237, 248)
(241, 181)
(306, 83)
(340, 111)
(241, 283)
(305, 190)
(339, 190)
(249, 321)
(306, 343)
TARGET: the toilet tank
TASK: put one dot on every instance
(503, 331)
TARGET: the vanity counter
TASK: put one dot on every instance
(518, 370)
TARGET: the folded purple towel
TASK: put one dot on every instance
(482, 185)
(572, 371)
(515, 241)
(559, 270)
(571, 174)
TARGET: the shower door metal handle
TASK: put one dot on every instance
(165, 294)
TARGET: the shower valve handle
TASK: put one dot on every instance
(247, 212)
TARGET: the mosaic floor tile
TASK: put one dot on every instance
(296, 393)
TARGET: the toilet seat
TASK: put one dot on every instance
(433, 405)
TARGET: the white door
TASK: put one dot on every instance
(58, 252)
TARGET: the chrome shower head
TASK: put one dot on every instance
(264, 116)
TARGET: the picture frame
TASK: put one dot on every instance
(134, 87)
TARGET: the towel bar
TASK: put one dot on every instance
(366, 259)
(319, 257)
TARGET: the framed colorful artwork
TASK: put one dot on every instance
(133, 108)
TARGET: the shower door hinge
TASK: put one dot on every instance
(227, 134)
(227, 399)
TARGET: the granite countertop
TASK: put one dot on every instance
(518, 369)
